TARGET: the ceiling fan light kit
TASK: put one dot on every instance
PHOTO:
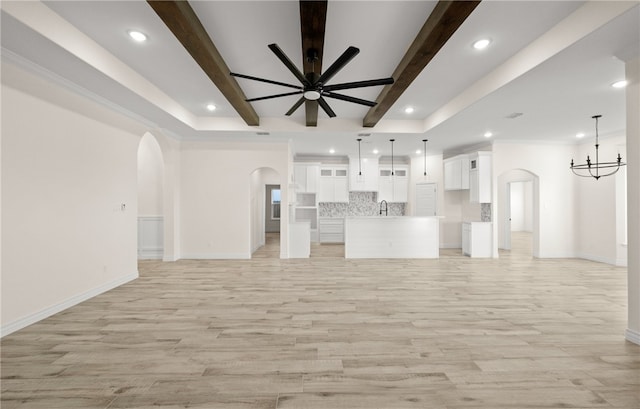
(313, 86)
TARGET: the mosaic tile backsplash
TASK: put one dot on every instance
(360, 204)
(485, 212)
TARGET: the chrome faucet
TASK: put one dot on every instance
(386, 206)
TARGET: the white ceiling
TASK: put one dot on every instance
(461, 94)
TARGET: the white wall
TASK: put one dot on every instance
(150, 177)
(595, 211)
(65, 176)
(215, 196)
(555, 191)
(521, 206)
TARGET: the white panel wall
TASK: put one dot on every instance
(68, 201)
(216, 197)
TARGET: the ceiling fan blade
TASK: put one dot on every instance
(287, 62)
(358, 84)
(295, 106)
(326, 108)
(274, 96)
(349, 99)
(235, 74)
(338, 64)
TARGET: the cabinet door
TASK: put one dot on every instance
(466, 238)
(313, 172)
(474, 186)
(341, 189)
(300, 177)
(401, 185)
(452, 175)
(385, 185)
(326, 189)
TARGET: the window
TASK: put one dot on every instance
(275, 204)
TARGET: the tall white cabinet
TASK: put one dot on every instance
(480, 177)
(363, 174)
(334, 184)
(393, 188)
(305, 178)
(456, 173)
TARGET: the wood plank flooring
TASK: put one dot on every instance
(326, 332)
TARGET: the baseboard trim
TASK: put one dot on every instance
(597, 259)
(216, 256)
(632, 336)
(54, 309)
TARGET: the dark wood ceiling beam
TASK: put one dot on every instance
(445, 19)
(180, 18)
(313, 18)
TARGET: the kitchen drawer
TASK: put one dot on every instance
(331, 229)
(331, 238)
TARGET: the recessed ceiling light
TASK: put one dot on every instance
(580, 135)
(211, 107)
(488, 134)
(375, 151)
(619, 84)
(137, 36)
(481, 44)
(418, 152)
(332, 151)
(409, 110)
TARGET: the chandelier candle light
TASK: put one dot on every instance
(591, 169)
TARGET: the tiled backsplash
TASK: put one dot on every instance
(485, 212)
(360, 204)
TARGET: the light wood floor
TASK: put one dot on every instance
(326, 332)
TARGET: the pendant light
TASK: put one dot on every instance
(359, 158)
(591, 169)
(425, 155)
(392, 140)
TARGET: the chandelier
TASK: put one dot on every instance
(595, 169)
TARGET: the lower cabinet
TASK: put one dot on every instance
(477, 239)
(331, 229)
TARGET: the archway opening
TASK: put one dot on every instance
(265, 213)
(150, 199)
(518, 213)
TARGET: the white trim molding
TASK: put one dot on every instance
(216, 256)
(632, 336)
(68, 303)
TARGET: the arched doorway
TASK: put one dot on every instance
(150, 199)
(265, 213)
(518, 212)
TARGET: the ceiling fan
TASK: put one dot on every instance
(314, 86)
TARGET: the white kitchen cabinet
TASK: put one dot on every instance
(367, 181)
(456, 173)
(334, 184)
(331, 229)
(305, 176)
(480, 177)
(477, 239)
(393, 188)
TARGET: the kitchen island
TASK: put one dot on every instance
(392, 237)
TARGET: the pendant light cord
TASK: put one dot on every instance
(392, 173)
(425, 156)
(359, 159)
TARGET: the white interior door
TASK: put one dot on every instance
(507, 219)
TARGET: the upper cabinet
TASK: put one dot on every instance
(305, 176)
(334, 184)
(363, 174)
(480, 177)
(456, 173)
(393, 188)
